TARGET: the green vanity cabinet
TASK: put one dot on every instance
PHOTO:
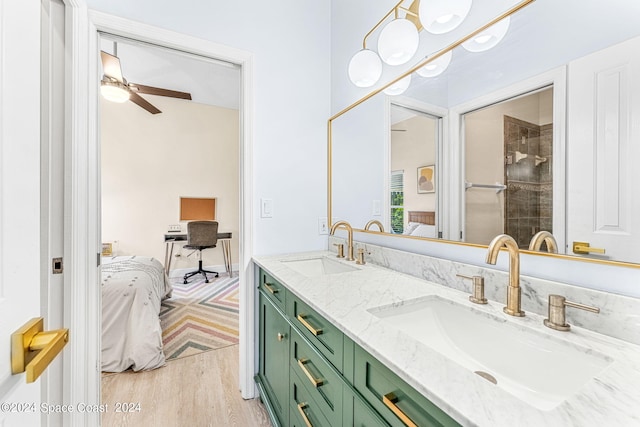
(311, 374)
(396, 401)
(273, 374)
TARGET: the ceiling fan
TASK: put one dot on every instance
(115, 87)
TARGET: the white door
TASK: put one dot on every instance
(603, 130)
(20, 205)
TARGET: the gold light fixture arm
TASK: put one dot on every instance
(33, 348)
(375, 27)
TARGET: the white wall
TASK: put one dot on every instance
(150, 161)
(290, 41)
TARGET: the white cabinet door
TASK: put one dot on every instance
(603, 151)
(19, 199)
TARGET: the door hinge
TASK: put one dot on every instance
(56, 265)
(98, 259)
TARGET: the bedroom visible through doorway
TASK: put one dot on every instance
(149, 161)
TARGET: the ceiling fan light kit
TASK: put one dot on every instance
(397, 43)
(114, 87)
(114, 91)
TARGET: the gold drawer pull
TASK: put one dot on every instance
(390, 401)
(303, 320)
(271, 289)
(314, 381)
(583, 248)
(301, 408)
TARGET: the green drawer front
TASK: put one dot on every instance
(322, 334)
(273, 289)
(304, 411)
(375, 381)
(365, 416)
(321, 380)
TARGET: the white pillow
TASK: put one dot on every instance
(425, 230)
(410, 227)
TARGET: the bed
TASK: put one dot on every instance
(132, 289)
(421, 224)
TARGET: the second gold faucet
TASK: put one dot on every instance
(513, 290)
(346, 226)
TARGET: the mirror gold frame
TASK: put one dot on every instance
(419, 65)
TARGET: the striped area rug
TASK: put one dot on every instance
(200, 316)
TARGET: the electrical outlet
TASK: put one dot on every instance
(175, 227)
(323, 226)
(376, 208)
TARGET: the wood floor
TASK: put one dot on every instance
(199, 391)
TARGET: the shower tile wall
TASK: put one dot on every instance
(528, 207)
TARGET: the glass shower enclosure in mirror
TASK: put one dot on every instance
(595, 112)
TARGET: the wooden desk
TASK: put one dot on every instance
(171, 238)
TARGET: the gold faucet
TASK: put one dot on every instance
(374, 222)
(513, 290)
(347, 227)
(546, 237)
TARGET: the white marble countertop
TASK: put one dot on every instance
(611, 398)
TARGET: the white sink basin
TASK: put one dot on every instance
(534, 367)
(318, 266)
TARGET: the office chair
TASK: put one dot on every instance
(201, 235)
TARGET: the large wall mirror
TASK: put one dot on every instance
(538, 133)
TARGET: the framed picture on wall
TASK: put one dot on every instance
(426, 179)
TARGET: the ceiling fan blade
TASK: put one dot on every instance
(111, 66)
(150, 90)
(137, 99)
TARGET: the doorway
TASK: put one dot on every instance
(82, 301)
(509, 168)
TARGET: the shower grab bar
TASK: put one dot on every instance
(497, 186)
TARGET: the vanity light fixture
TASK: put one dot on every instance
(113, 90)
(399, 39)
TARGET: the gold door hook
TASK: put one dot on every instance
(33, 349)
(583, 248)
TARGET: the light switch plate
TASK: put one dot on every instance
(376, 208)
(266, 208)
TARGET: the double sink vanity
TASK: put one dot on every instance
(395, 349)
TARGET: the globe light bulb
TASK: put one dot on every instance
(442, 16)
(489, 37)
(365, 68)
(398, 41)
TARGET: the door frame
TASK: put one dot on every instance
(455, 152)
(82, 204)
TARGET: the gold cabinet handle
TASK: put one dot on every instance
(301, 408)
(583, 248)
(281, 336)
(303, 320)
(271, 289)
(314, 381)
(390, 401)
(33, 349)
